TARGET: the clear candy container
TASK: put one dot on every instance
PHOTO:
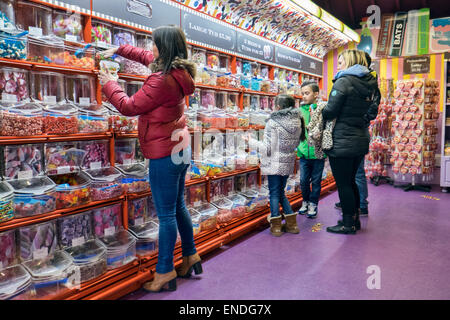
(225, 212)
(33, 196)
(212, 60)
(107, 220)
(8, 16)
(246, 68)
(146, 238)
(90, 121)
(63, 157)
(238, 65)
(265, 86)
(34, 17)
(208, 99)
(6, 202)
(144, 41)
(50, 275)
(72, 190)
(37, 241)
(238, 208)
(125, 151)
(25, 119)
(254, 102)
(106, 183)
(208, 217)
(252, 180)
(119, 122)
(97, 154)
(132, 87)
(13, 45)
(255, 84)
(243, 120)
(227, 186)
(264, 103)
(231, 120)
(240, 182)
(123, 36)
(264, 72)
(195, 218)
(246, 102)
(263, 197)
(89, 258)
(223, 80)
(68, 25)
(221, 100)
(47, 87)
(273, 87)
(137, 211)
(80, 89)
(120, 249)
(61, 119)
(15, 283)
(195, 195)
(215, 190)
(194, 99)
(250, 199)
(233, 101)
(246, 81)
(101, 33)
(46, 49)
(8, 253)
(74, 230)
(13, 84)
(22, 161)
(71, 59)
(199, 56)
(271, 103)
(224, 63)
(136, 178)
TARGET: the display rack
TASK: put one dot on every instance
(445, 140)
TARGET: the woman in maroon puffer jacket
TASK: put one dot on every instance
(164, 139)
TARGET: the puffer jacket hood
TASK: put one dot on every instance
(363, 80)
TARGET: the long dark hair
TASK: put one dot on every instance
(171, 43)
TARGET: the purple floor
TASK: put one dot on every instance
(406, 235)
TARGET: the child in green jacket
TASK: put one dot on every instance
(311, 167)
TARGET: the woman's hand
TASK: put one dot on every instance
(107, 53)
(105, 76)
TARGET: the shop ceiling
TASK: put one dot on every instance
(351, 12)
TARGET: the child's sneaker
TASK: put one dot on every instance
(312, 211)
(304, 209)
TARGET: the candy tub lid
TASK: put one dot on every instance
(86, 253)
(82, 181)
(13, 280)
(147, 231)
(223, 203)
(53, 266)
(134, 170)
(33, 186)
(5, 190)
(109, 174)
(237, 199)
(120, 240)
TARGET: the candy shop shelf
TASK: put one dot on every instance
(21, 222)
(132, 77)
(193, 182)
(6, 140)
(119, 135)
(233, 173)
(205, 86)
(23, 64)
(252, 127)
(132, 196)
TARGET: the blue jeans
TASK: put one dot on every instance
(277, 184)
(311, 174)
(167, 185)
(361, 182)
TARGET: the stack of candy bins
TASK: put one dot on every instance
(21, 120)
(106, 183)
(33, 196)
(63, 157)
(72, 190)
(208, 217)
(136, 178)
(120, 248)
(92, 119)
(125, 151)
(6, 202)
(61, 119)
(13, 47)
(37, 241)
(225, 213)
(97, 154)
(101, 32)
(146, 238)
(107, 220)
(89, 258)
(7, 249)
(67, 24)
(22, 161)
(238, 208)
(75, 230)
(138, 211)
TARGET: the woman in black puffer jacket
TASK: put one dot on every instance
(349, 101)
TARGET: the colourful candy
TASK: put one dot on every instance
(23, 161)
(138, 211)
(7, 249)
(37, 241)
(97, 155)
(63, 158)
(75, 228)
(72, 191)
(107, 220)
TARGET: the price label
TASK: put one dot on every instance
(25, 174)
(85, 101)
(63, 170)
(6, 97)
(71, 38)
(33, 31)
(110, 231)
(50, 99)
(139, 221)
(40, 253)
(78, 241)
(96, 165)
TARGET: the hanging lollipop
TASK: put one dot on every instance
(413, 140)
(418, 84)
(413, 170)
(409, 147)
(418, 147)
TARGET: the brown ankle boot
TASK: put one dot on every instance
(291, 223)
(190, 263)
(275, 226)
(161, 279)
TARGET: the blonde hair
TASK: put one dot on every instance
(352, 57)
